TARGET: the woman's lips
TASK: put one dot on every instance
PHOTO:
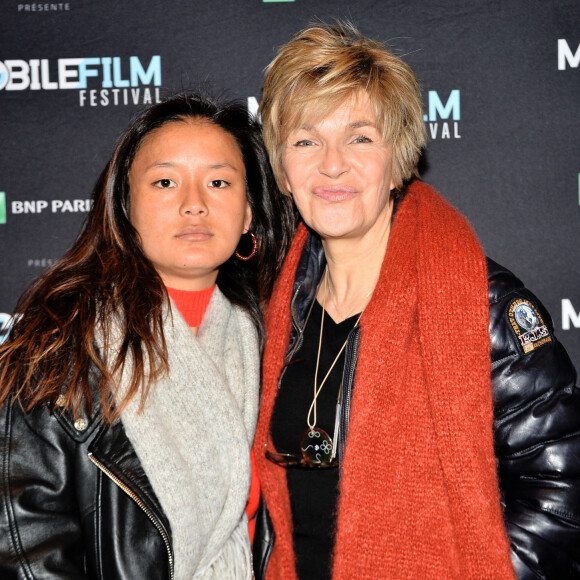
(334, 192)
(194, 234)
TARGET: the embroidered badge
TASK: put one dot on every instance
(527, 325)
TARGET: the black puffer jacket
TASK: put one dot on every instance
(103, 523)
(537, 435)
(537, 424)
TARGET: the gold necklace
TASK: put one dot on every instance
(316, 445)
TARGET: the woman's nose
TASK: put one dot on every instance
(333, 162)
(193, 201)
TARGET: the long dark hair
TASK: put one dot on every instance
(51, 351)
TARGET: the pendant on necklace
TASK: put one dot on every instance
(316, 446)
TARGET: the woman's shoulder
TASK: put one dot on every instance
(53, 422)
(528, 361)
(501, 281)
(518, 319)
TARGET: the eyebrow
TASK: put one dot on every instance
(359, 124)
(353, 125)
(222, 165)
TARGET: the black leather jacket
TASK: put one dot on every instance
(101, 522)
(537, 428)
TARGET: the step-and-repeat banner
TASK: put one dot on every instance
(501, 86)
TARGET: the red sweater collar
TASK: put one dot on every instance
(191, 304)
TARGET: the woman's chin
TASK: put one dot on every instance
(339, 226)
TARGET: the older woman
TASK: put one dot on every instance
(390, 444)
(129, 384)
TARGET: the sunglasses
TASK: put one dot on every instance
(289, 460)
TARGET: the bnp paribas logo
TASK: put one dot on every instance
(2, 207)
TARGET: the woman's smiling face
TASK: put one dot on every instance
(339, 171)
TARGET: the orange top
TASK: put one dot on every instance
(191, 304)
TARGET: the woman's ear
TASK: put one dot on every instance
(247, 218)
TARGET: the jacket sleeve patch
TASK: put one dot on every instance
(527, 325)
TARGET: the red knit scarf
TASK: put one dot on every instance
(419, 496)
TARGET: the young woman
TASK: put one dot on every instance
(129, 383)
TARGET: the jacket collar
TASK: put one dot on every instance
(308, 274)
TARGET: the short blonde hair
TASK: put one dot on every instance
(322, 66)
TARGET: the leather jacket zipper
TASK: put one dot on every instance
(147, 511)
(351, 357)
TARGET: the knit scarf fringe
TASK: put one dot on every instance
(234, 560)
(419, 495)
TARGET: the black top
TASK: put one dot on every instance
(313, 492)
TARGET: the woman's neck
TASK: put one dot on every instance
(354, 267)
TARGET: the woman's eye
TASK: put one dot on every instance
(362, 139)
(304, 143)
(165, 183)
(219, 183)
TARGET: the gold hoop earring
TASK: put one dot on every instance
(252, 253)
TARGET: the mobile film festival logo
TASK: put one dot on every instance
(570, 318)
(443, 119)
(566, 58)
(99, 81)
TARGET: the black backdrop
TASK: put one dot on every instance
(501, 82)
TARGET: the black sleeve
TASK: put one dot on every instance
(537, 432)
(40, 521)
